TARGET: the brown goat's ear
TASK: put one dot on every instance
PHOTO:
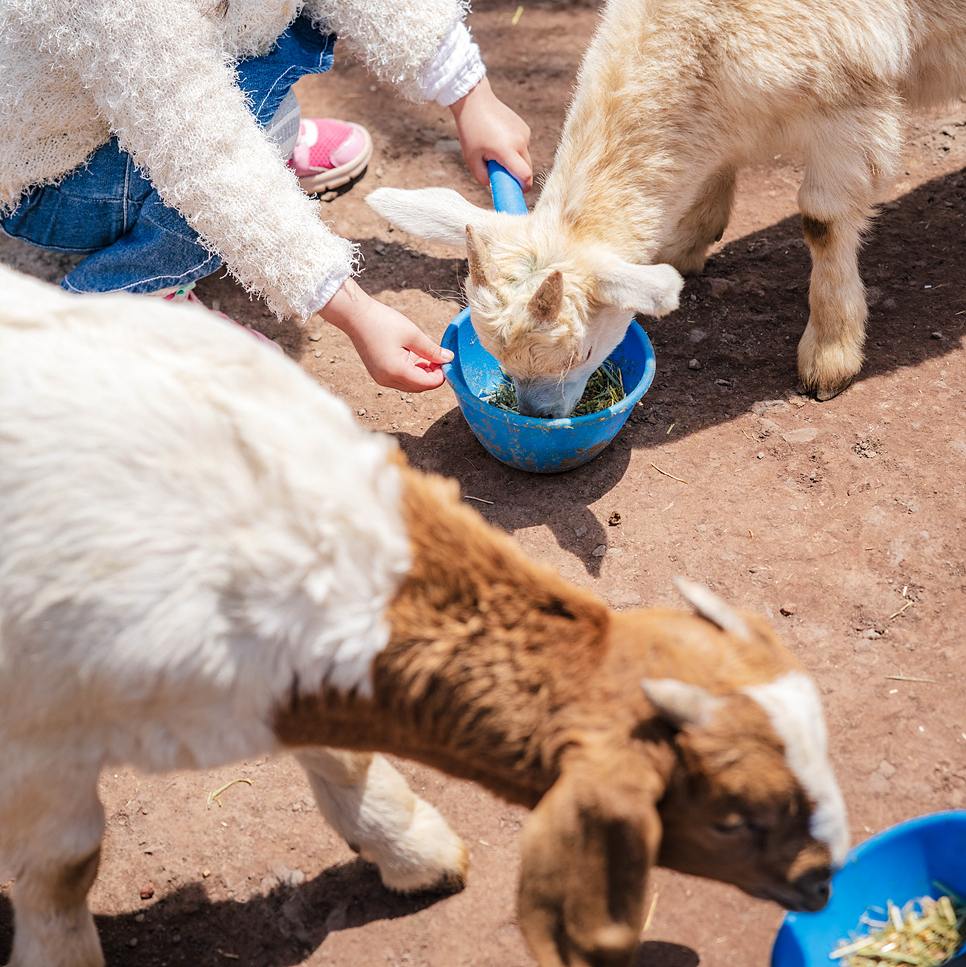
(482, 270)
(587, 848)
(680, 703)
(710, 606)
(545, 303)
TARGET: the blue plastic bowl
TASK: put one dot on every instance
(527, 442)
(898, 864)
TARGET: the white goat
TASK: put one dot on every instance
(673, 98)
(203, 557)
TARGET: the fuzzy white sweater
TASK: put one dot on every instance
(159, 74)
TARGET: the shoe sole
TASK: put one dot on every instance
(337, 177)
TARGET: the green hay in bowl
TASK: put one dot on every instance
(604, 388)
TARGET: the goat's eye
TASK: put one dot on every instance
(732, 823)
(589, 354)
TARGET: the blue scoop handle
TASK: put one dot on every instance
(506, 191)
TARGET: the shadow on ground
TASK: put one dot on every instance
(281, 929)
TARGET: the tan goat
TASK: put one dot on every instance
(204, 558)
(673, 98)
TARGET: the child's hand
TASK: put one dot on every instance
(489, 131)
(396, 352)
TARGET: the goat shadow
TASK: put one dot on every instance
(280, 929)
(657, 953)
(188, 929)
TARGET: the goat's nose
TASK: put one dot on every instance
(526, 409)
(815, 888)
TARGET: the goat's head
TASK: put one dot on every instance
(727, 779)
(549, 307)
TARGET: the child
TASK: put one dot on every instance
(154, 137)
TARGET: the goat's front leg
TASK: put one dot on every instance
(702, 224)
(836, 200)
(369, 804)
(50, 832)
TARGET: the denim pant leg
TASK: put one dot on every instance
(109, 211)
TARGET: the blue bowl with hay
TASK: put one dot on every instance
(923, 857)
(526, 442)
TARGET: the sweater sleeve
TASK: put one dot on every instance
(421, 47)
(158, 75)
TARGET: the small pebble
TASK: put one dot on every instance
(361, 412)
(789, 609)
(886, 769)
(147, 891)
(694, 364)
(936, 335)
(600, 550)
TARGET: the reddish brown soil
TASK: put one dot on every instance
(840, 521)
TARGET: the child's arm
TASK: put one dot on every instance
(394, 350)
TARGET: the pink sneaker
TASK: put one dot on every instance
(185, 294)
(329, 153)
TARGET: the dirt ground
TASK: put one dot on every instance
(841, 521)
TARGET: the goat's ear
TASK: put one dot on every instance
(437, 213)
(651, 289)
(586, 852)
(680, 703)
(707, 604)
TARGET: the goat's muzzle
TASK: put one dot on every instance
(813, 890)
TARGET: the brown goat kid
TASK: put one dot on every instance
(674, 97)
(694, 742)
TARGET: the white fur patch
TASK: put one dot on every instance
(795, 709)
(189, 525)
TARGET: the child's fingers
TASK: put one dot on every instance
(424, 347)
(424, 378)
(520, 167)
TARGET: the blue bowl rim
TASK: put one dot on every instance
(609, 413)
(905, 827)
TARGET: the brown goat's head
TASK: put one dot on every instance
(717, 767)
(550, 308)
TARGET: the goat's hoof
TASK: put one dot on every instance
(824, 393)
(449, 882)
(443, 871)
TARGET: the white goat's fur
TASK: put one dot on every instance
(795, 709)
(673, 98)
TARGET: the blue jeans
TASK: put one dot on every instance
(106, 209)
